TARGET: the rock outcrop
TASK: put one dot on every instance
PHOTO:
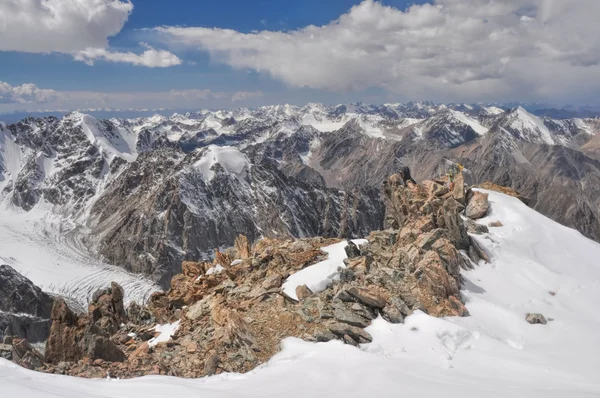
(19, 295)
(24, 307)
(73, 337)
(233, 313)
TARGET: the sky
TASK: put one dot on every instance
(120, 54)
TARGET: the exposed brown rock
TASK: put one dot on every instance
(478, 205)
(303, 292)
(242, 247)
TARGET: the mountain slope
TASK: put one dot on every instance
(536, 265)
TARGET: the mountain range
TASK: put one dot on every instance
(149, 192)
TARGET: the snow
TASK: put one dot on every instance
(166, 332)
(320, 275)
(492, 110)
(408, 121)
(536, 265)
(230, 158)
(122, 144)
(325, 125)
(526, 122)
(492, 353)
(461, 117)
(11, 160)
(55, 259)
(581, 124)
(217, 269)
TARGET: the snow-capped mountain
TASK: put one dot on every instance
(146, 193)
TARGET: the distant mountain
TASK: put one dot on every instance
(147, 192)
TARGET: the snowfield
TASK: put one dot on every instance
(37, 245)
(537, 266)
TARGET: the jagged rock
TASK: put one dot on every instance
(139, 315)
(368, 297)
(434, 189)
(100, 347)
(352, 251)
(6, 351)
(479, 250)
(473, 256)
(393, 314)
(478, 205)
(458, 192)
(65, 335)
(272, 282)
(211, 364)
(474, 228)
(25, 355)
(24, 326)
(495, 224)
(345, 315)
(107, 309)
(242, 247)
(344, 329)
(19, 295)
(535, 319)
(303, 292)
(454, 224)
(452, 259)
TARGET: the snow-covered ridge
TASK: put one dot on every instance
(536, 265)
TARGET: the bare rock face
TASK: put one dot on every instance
(478, 205)
(65, 335)
(19, 295)
(74, 337)
(24, 308)
(451, 210)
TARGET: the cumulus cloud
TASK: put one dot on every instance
(60, 25)
(77, 27)
(151, 58)
(25, 94)
(472, 49)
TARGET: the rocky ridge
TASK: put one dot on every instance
(232, 314)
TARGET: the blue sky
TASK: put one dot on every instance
(154, 53)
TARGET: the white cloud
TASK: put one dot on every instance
(151, 58)
(25, 94)
(28, 97)
(77, 27)
(467, 49)
(246, 95)
(60, 25)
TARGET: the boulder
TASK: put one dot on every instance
(272, 282)
(474, 228)
(458, 190)
(352, 251)
(368, 297)
(344, 329)
(303, 292)
(536, 319)
(100, 347)
(345, 315)
(478, 205)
